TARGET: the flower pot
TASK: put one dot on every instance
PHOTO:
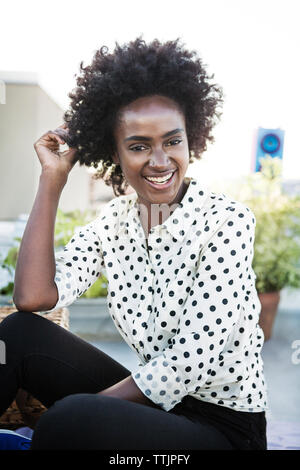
(269, 306)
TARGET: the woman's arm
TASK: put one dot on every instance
(127, 389)
(34, 286)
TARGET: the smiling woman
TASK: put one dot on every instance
(181, 288)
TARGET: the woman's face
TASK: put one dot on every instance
(151, 141)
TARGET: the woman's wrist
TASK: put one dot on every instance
(127, 389)
(53, 180)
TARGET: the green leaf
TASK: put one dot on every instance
(67, 222)
(7, 290)
(98, 289)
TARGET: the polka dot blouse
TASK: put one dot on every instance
(187, 305)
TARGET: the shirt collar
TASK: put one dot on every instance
(179, 222)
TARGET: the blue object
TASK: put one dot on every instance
(268, 142)
(25, 431)
(11, 440)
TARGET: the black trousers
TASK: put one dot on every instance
(65, 373)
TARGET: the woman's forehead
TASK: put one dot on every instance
(151, 101)
(149, 114)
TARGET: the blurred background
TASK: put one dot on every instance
(252, 48)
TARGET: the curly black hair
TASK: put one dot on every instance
(134, 70)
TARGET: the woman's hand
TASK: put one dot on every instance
(127, 389)
(52, 161)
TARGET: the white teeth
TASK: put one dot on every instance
(159, 180)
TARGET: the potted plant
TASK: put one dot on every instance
(276, 260)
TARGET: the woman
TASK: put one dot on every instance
(181, 289)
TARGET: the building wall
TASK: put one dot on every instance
(27, 114)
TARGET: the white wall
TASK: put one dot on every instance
(26, 115)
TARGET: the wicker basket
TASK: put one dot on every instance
(25, 410)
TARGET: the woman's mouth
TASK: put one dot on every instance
(161, 182)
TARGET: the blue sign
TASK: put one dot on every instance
(268, 142)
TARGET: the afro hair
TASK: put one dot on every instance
(134, 70)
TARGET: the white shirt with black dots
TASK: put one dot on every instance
(188, 307)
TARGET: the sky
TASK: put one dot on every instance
(251, 47)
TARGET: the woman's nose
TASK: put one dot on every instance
(159, 158)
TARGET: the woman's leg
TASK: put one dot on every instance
(91, 421)
(50, 362)
(65, 373)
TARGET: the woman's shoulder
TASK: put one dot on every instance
(219, 201)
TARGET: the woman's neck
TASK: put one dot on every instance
(149, 219)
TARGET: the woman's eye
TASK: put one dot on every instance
(140, 148)
(137, 148)
(174, 142)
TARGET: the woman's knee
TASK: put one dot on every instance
(21, 332)
(68, 424)
(16, 321)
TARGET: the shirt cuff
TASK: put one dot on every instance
(160, 383)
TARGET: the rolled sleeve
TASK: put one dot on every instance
(78, 265)
(212, 309)
(160, 381)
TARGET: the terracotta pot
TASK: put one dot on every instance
(269, 305)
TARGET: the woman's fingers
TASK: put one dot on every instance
(51, 138)
(61, 131)
(56, 137)
(47, 149)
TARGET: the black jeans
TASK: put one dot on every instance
(65, 373)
